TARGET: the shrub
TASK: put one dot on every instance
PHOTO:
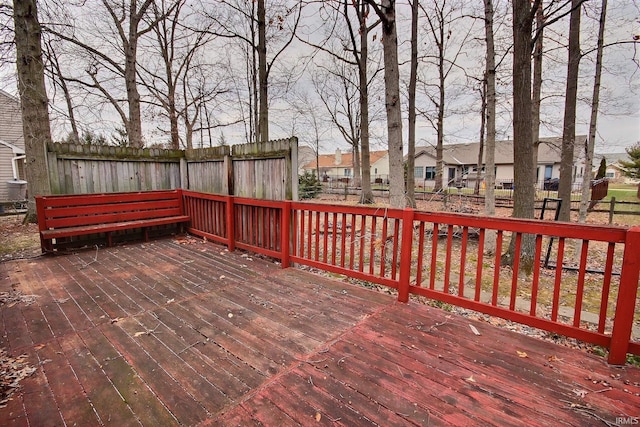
(308, 186)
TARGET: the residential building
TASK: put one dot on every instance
(614, 167)
(340, 166)
(11, 143)
(460, 163)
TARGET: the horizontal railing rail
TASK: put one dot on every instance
(581, 281)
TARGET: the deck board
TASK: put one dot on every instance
(183, 332)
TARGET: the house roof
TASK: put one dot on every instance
(8, 95)
(15, 149)
(610, 158)
(467, 154)
(346, 160)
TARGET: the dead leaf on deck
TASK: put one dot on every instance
(470, 379)
(318, 416)
(474, 330)
(580, 392)
(137, 334)
(522, 354)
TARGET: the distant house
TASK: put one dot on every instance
(614, 168)
(340, 165)
(11, 143)
(460, 163)
(306, 154)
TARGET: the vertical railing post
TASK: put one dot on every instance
(285, 233)
(231, 230)
(627, 294)
(405, 254)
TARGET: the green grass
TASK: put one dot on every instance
(623, 193)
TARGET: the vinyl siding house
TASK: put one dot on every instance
(614, 168)
(11, 143)
(340, 165)
(460, 163)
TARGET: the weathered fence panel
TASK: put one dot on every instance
(82, 169)
(208, 169)
(262, 170)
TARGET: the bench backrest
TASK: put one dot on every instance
(90, 209)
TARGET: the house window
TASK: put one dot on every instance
(375, 171)
(610, 175)
(548, 171)
(347, 172)
(418, 171)
(430, 172)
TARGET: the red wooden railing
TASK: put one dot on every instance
(442, 256)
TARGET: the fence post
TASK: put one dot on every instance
(231, 230)
(627, 294)
(612, 209)
(405, 254)
(285, 235)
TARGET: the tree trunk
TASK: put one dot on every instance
(490, 144)
(366, 194)
(392, 103)
(134, 125)
(483, 120)
(413, 77)
(523, 196)
(595, 100)
(569, 128)
(263, 125)
(439, 182)
(537, 90)
(357, 168)
(33, 100)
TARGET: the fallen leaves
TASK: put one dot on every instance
(474, 330)
(522, 354)
(12, 371)
(12, 298)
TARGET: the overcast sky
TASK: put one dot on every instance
(618, 122)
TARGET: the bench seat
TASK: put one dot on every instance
(84, 214)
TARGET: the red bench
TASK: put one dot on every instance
(65, 216)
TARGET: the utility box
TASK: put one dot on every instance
(16, 190)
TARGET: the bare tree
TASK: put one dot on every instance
(571, 98)
(523, 196)
(443, 18)
(353, 49)
(126, 20)
(536, 95)
(33, 100)
(338, 90)
(386, 11)
(266, 33)
(178, 45)
(413, 77)
(58, 78)
(595, 102)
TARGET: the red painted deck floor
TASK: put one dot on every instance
(182, 332)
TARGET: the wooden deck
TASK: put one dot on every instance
(183, 332)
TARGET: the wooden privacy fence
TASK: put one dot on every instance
(264, 170)
(589, 293)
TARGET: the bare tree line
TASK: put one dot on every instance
(178, 71)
